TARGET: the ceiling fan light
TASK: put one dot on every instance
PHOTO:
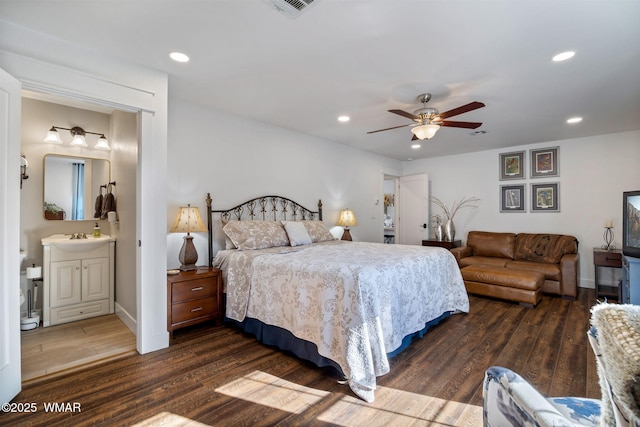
(425, 131)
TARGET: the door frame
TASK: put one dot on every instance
(130, 89)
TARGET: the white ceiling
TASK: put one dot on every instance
(363, 57)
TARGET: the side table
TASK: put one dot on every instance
(193, 297)
(442, 243)
(611, 259)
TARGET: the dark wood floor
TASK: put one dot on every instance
(220, 376)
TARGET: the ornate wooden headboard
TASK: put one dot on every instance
(264, 208)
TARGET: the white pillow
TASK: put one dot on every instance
(297, 233)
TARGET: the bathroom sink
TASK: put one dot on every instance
(66, 243)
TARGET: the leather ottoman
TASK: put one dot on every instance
(521, 286)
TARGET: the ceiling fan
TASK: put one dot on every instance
(427, 120)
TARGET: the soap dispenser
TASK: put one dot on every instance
(96, 231)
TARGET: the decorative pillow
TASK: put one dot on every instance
(547, 248)
(318, 231)
(297, 233)
(247, 235)
(228, 244)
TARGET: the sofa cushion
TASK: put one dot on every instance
(520, 279)
(550, 271)
(489, 244)
(547, 248)
(483, 260)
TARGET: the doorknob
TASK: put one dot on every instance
(424, 226)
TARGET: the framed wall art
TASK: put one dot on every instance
(512, 198)
(512, 165)
(544, 162)
(545, 197)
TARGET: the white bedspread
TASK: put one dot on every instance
(354, 300)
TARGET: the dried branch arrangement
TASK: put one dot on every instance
(465, 202)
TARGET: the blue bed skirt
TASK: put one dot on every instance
(285, 340)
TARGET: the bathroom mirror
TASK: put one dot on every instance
(72, 185)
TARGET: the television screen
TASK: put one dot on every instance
(631, 223)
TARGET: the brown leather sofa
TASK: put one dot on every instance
(554, 255)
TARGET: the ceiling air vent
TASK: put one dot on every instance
(291, 8)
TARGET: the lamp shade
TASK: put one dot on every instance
(102, 144)
(347, 219)
(79, 141)
(188, 219)
(53, 136)
(425, 131)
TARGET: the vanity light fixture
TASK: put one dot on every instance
(53, 136)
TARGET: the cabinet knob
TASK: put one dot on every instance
(199, 288)
(196, 309)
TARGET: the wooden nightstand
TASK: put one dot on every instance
(604, 258)
(194, 297)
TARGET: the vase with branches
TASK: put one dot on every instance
(464, 202)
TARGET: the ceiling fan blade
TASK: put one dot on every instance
(463, 109)
(467, 125)
(404, 114)
(395, 127)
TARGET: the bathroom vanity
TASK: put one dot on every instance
(78, 278)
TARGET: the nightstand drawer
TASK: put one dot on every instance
(607, 259)
(191, 310)
(193, 289)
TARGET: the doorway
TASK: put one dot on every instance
(40, 112)
(390, 192)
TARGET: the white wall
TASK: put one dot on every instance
(124, 151)
(235, 159)
(594, 172)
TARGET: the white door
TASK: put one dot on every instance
(413, 212)
(10, 378)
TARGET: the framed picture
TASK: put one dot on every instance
(512, 198)
(545, 197)
(512, 165)
(544, 162)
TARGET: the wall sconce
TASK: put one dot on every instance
(347, 219)
(78, 137)
(23, 169)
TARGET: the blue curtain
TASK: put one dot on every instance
(78, 191)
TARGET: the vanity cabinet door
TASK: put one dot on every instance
(64, 285)
(95, 279)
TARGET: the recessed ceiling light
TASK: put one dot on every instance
(574, 120)
(344, 119)
(563, 56)
(416, 145)
(179, 57)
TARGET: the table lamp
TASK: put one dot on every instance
(347, 219)
(188, 220)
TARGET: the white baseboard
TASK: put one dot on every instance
(126, 318)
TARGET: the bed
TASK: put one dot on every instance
(348, 305)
